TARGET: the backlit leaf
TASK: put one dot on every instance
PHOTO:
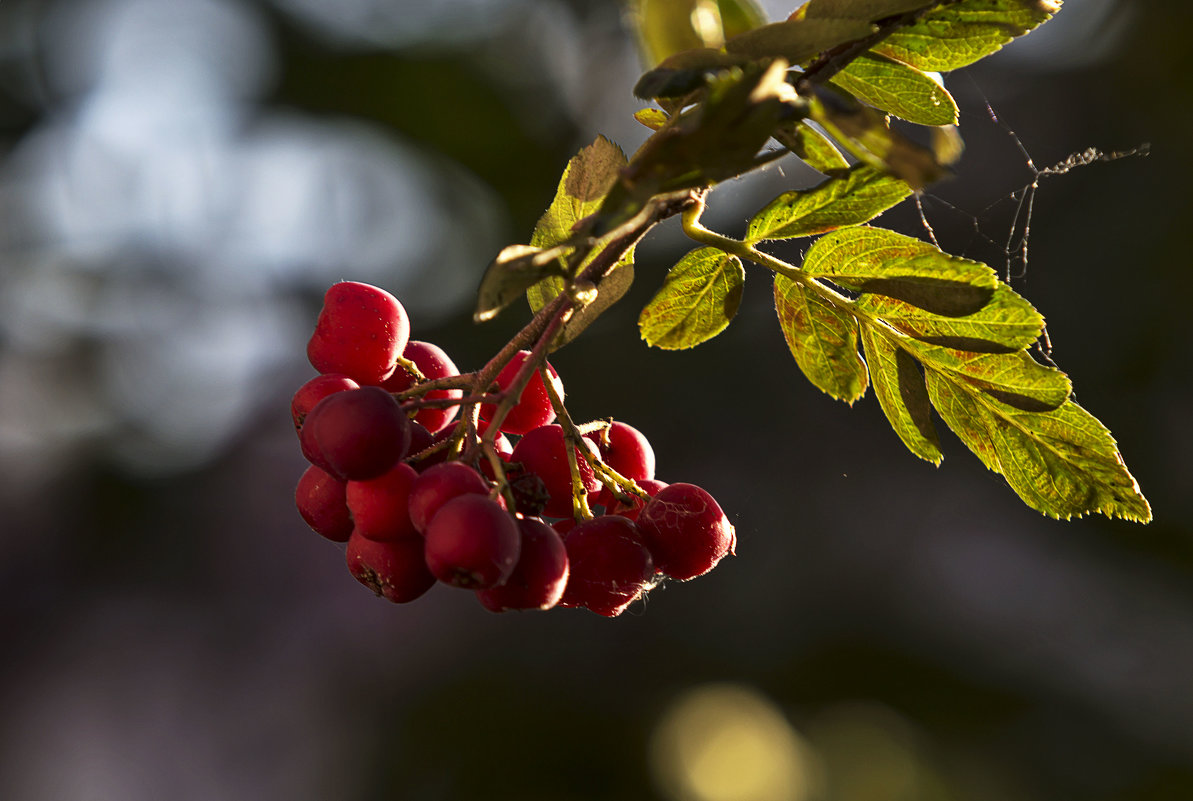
(897, 89)
(586, 180)
(848, 198)
(797, 41)
(516, 269)
(697, 301)
(810, 145)
(1062, 462)
(868, 10)
(959, 34)
(667, 27)
(1007, 322)
(878, 261)
(1015, 379)
(902, 395)
(823, 340)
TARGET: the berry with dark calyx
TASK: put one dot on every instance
(358, 433)
(433, 362)
(615, 507)
(472, 543)
(439, 484)
(320, 498)
(686, 531)
(608, 566)
(543, 451)
(540, 575)
(626, 450)
(533, 408)
(314, 391)
(360, 332)
(394, 569)
(380, 506)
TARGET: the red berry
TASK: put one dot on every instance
(358, 433)
(608, 566)
(533, 408)
(360, 332)
(439, 484)
(650, 486)
(472, 543)
(394, 570)
(543, 452)
(686, 531)
(433, 363)
(540, 575)
(314, 391)
(626, 450)
(380, 506)
(320, 498)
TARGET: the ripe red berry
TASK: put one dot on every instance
(320, 498)
(626, 450)
(314, 391)
(543, 451)
(395, 569)
(358, 433)
(433, 362)
(539, 577)
(533, 408)
(686, 531)
(472, 543)
(360, 332)
(380, 506)
(437, 485)
(608, 566)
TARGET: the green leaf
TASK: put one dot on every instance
(875, 260)
(847, 198)
(867, 10)
(516, 269)
(1015, 379)
(585, 182)
(897, 89)
(667, 27)
(823, 340)
(798, 41)
(697, 301)
(810, 145)
(867, 134)
(959, 34)
(1006, 323)
(902, 395)
(1062, 463)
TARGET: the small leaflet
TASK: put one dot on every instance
(823, 340)
(897, 89)
(1062, 463)
(902, 395)
(516, 269)
(958, 34)
(810, 145)
(1015, 379)
(1006, 323)
(798, 40)
(851, 197)
(697, 301)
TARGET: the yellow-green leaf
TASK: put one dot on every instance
(1007, 322)
(586, 180)
(902, 395)
(667, 27)
(798, 41)
(1015, 379)
(1062, 462)
(898, 89)
(850, 197)
(810, 145)
(823, 340)
(516, 269)
(958, 34)
(697, 301)
(867, 10)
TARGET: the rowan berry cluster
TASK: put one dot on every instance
(420, 493)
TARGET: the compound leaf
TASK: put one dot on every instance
(1062, 462)
(1015, 379)
(823, 340)
(902, 395)
(846, 198)
(897, 89)
(958, 34)
(1006, 323)
(698, 299)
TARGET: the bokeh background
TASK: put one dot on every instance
(180, 180)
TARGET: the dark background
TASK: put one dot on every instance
(180, 180)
